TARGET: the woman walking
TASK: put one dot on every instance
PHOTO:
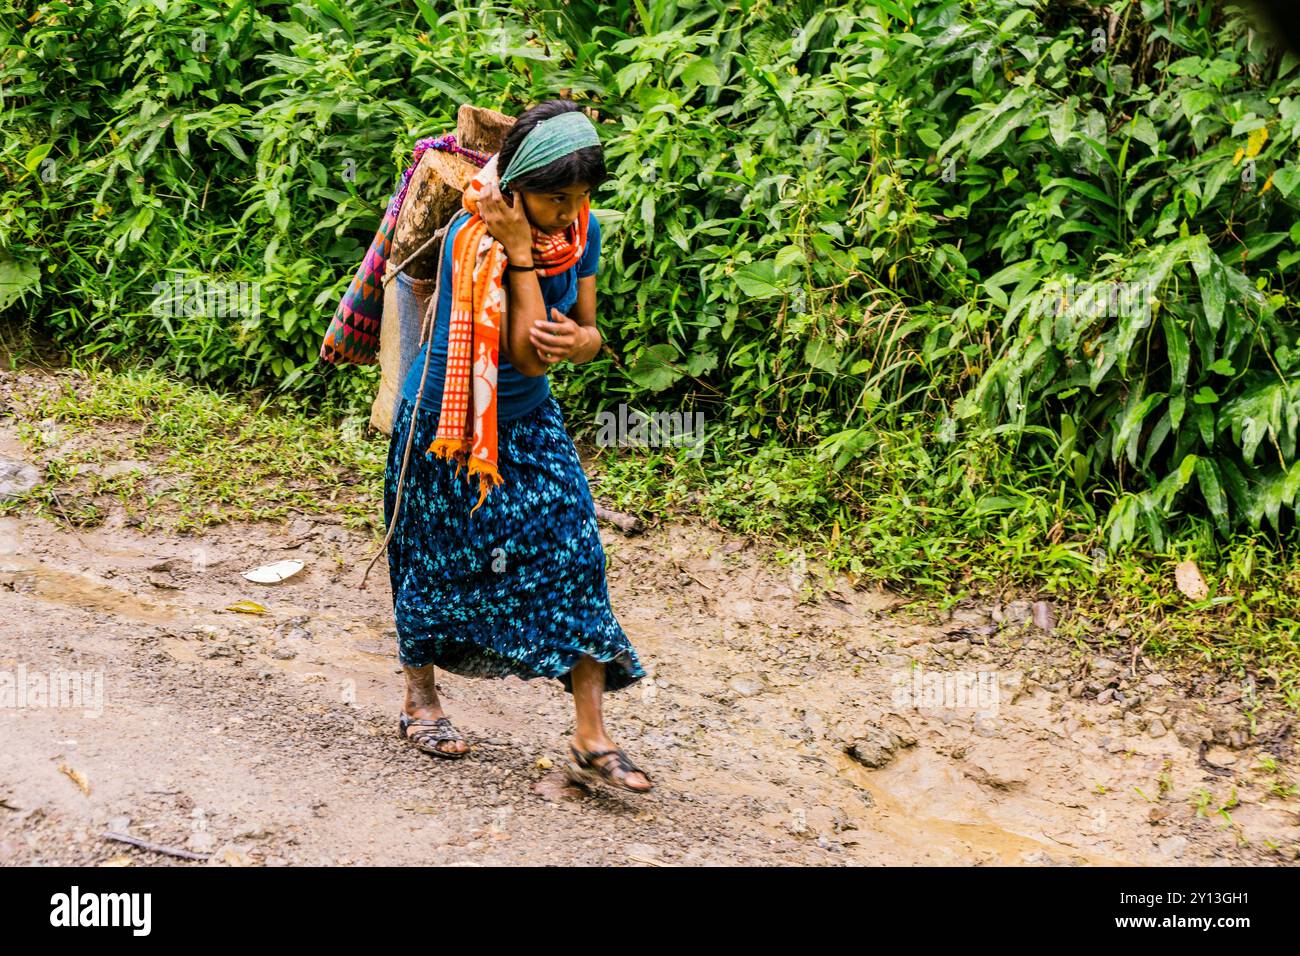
(496, 563)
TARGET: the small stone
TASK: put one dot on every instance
(17, 478)
(1174, 846)
(1044, 616)
(1190, 733)
(1103, 666)
(747, 685)
(1017, 612)
(643, 850)
(874, 748)
(966, 615)
(201, 841)
(231, 854)
(1156, 728)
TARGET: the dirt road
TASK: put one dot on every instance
(270, 739)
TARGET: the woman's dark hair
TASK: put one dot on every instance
(586, 165)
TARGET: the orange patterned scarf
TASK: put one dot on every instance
(478, 301)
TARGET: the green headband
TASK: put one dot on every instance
(549, 140)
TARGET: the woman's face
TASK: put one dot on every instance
(555, 210)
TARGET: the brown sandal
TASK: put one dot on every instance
(584, 769)
(428, 740)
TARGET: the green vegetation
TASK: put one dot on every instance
(972, 296)
(210, 458)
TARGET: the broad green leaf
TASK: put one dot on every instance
(1061, 121)
(35, 155)
(758, 280)
(654, 368)
(16, 278)
(701, 72)
(822, 355)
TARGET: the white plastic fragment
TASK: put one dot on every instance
(274, 573)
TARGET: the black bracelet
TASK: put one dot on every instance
(511, 266)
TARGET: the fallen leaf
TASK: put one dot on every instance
(544, 763)
(76, 777)
(1190, 581)
(247, 607)
(122, 860)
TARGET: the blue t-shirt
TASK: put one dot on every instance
(517, 394)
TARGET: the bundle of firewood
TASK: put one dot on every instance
(432, 196)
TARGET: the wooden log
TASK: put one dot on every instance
(628, 524)
(482, 129)
(432, 197)
(434, 193)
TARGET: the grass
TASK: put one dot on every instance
(230, 459)
(210, 458)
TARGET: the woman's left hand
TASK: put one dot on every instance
(555, 340)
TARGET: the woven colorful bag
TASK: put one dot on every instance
(353, 333)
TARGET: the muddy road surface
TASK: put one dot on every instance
(787, 721)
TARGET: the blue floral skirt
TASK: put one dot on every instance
(519, 587)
